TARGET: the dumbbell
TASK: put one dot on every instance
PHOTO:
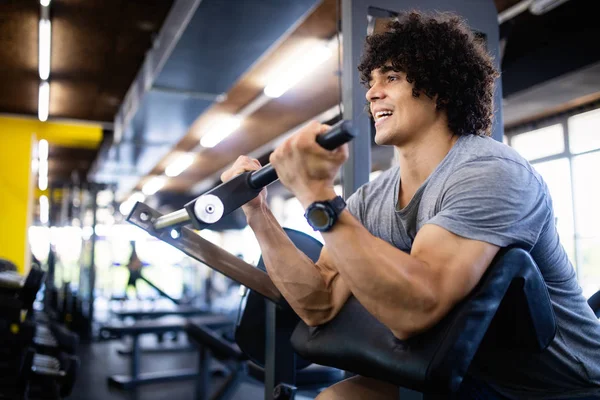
(44, 337)
(61, 371)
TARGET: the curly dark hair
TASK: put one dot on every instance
(440, 56)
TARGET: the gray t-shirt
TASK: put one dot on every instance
(484, 190)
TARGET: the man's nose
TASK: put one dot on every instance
(375, 92)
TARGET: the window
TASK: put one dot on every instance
(584, 132)
(571, 173)
(586, 193)
(540, 143)
(557, 175)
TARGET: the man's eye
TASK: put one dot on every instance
(392, 78)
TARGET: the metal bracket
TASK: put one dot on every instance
(192, 244)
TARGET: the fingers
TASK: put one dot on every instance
(304, 141)
(241, 165)
(306, 138)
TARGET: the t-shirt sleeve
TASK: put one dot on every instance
(494, 200)
(355, 203)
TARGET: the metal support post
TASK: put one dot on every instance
(280, 358)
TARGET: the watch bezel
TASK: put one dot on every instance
(326, 207)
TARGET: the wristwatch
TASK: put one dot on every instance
(321, 215)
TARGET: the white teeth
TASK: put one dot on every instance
(381, 114)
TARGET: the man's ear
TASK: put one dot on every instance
(440, 104)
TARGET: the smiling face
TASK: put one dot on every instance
(399, 116)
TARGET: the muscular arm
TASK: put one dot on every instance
(315, 291)
(408, 293)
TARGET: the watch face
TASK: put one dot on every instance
(319, 217)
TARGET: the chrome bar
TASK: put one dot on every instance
(172, 219)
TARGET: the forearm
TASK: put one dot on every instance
(389, 283)
(397, 288)
(306, 288)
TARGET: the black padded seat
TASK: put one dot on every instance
(511, 301)
(312, 376)
(238, 364)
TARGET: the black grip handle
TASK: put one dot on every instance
(339, 134)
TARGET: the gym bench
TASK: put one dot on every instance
(168, 324)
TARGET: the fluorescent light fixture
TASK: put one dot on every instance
(44, 101)
(43, 150)
(45, 42)
(43, 182)
(43, 174)
(44, 209)
(179, 165)
(153, 185)
(87, 232)
(137, 196)
(43, 168)
(126, 206)
(219, 131)
(45, 3)
(539, 7)
(292, 71)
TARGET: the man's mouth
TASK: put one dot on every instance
(381, 116)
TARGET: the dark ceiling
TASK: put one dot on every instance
(540, 48)
(98, 48)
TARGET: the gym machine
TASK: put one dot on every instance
(434, 362)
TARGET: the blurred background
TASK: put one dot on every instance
(104, 103)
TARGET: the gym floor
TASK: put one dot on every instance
(100, 360)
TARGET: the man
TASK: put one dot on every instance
(415, 241)
(134, 266)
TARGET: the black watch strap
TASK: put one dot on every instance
(338, 204)
(326, 213)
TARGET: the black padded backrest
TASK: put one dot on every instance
(250, 332)
(594, 303)
(437, 360)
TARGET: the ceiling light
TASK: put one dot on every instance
(45, 3)
(179, 165)
(153, 185)
(126, 206)
(219, 131)
(43, 149)
(539, 7)
(44, 209)
(294, 69)
(43, 182)
(45, 42)
(43, 174)
(43, 101)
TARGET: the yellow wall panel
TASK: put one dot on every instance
(15, 194)
(17, 139)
